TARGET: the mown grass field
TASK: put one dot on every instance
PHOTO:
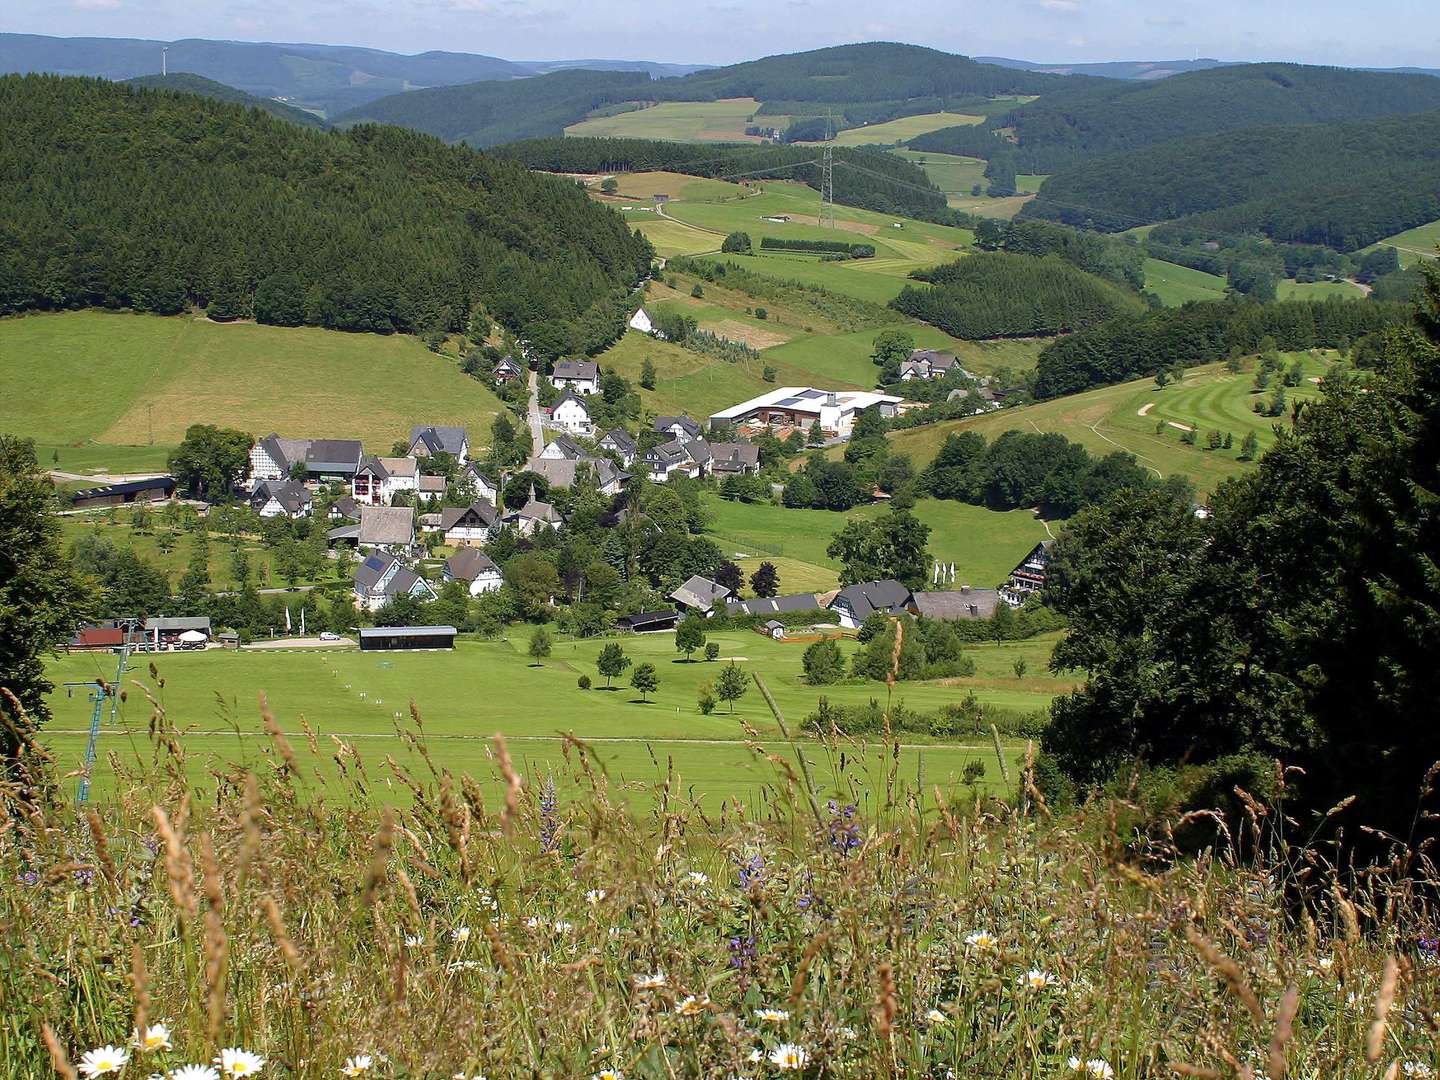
(1319, 290)
(1176, 284)
(903, 128)
(1414, 245)
(466, 696)
(1210, 398)
(983, 544)
(136, 382)
(682, 121)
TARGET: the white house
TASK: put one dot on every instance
(438, 439)
(507, 369)
(387, 528)
(582, 376)
(802, 406)
(485, 487)
(476, 569)
(701, 596)
(620, 441)
(532, 517)
(928, 364)
(381, 578)
(272, 457)
(562, 448)
(641, 321)
(282, 498)
(678, 427)
(570, 414)
(465, 525)
(687, 458)
(378, 479)
(854, 603)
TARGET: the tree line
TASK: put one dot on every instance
(996, 294)
(1135, 345)
(156, 201)
(1114, 260)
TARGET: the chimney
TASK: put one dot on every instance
(830, 399)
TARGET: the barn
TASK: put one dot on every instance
(152, 489)
(406, 638)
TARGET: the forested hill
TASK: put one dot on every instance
(1099, 117)
(864, 178)
(487, 113)
(117, 197)
(902, 78)
(182, 82)
(1341, 185)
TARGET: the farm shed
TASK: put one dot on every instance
(399, 638)
(153, 489)
(649, 620)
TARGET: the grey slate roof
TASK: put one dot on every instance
(619, 439)
(560, 472)
(577, 369)
(734, 456)
(285, 452)
(868, 597)
(699, 592)
(690, 427)
(569, 449)
(440, 439)
(290, 494)
(333, 455)
(570, 395)
(480, 511)
(774, 605)
(957, 604)
(468, 564)
(373, 569)
(346, 506)
(431, 485)
(387, 525)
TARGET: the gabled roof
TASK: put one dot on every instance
(565, 446)
(536, 510)
(866, 597)
(957, 604)
(473, 468)
(569, 395)
(774, 605)
(670, 453)
(936, 359)
(440, 439)
(508, 363)
(290, 494)
(399, 466)
(387, 525)
(478, 513)
(561, 473)
(372, 570)
(333, 455)
(182, 622)
(431, 485)
(345, 506)
(735, 455)
(467, 564)
(690, 427)
(700, 592)
(284, 452)
(619, 439)
(577, 369)
(698, 451)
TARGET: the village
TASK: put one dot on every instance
(384, 516)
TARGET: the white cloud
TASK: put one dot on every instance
(97, 5)
(1064, 7)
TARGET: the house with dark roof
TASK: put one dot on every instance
(407, 638)
(688, 458)
(485, 487)
(582, 376)
(471, 524)
(928, 364)
(774, 605)
(281, 498)
(701, 596)
(854, 603)
(532, 517)
(621, 443)
(571, 414)
(426, 440)
(274, 457)
(678, 427)
(508, 369)
(476, 569)
(562, 448)
(1028, 577)
(169, 631)
(379, 479)
(381, 578)
(642, 321)
(344, 509)
(645, 622)
(734, 458)
(431, 486)
(150, 489)
(387, 528)
(955, 604)
(332, 460)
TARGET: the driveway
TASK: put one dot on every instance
(537, 435)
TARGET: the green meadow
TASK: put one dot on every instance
(902, 129)
(115, 390)
(465, 697)
(1415, 245)
(1175, 284)
(682, 121)
(1111, 418)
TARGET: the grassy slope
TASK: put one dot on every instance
(1176, 285)
(123, 378)
(903, 128)
(1416, 244)
(210, 696)
(1108, 419)
(682, 121)
(1319, 290)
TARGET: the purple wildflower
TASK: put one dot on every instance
(549, 816)
(844, 829)
(751, 871)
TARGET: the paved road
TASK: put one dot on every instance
(537, 436)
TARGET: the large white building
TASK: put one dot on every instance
(801, 406)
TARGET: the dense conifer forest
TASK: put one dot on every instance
(865, 178)
(116, 197)
(1340, 185)
(183, 82)
(997, 295)
(1136, 345)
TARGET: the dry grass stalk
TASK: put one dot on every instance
(886, 1007)
(102, 848)
(1228, 970)
(282, 744)
(251, 812)
(1276, 1062)
(140, 987)
(514, 786)
(277, 931)
(178, 869)
(216, 943)
(58, 1060)
(379, 859)
(1375, 1037)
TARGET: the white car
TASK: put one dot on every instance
(329, 636)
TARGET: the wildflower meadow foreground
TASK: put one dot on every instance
(266, 922)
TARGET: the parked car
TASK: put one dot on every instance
(329, 635)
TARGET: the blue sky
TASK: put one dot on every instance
(1372, 33)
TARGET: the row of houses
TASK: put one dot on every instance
(323, 461)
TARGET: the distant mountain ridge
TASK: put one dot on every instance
(183, 82)
(324, 78)
(1112, 69)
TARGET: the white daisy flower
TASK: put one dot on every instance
(691, 1006)
(103, 1060)
(563, 927)
(414, 941)
(357, 1065)
(695, 877)
(594, 896)
(608, 1074)
(460, 935)
(155, 1037)
(981, 939)
(194, 1072)
(847, 1032)
(533, 922)
(772, 1016)
(1097, 1068)
(755, 1056)
(650, 982)
(1035, 979)
(935, 1016)
(236, 1062)
(789, 1057)
(1418, 1069)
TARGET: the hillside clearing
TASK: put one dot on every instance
(682, 121)
(901, 129)
(1415, 245)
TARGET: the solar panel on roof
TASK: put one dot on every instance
(374, 562)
